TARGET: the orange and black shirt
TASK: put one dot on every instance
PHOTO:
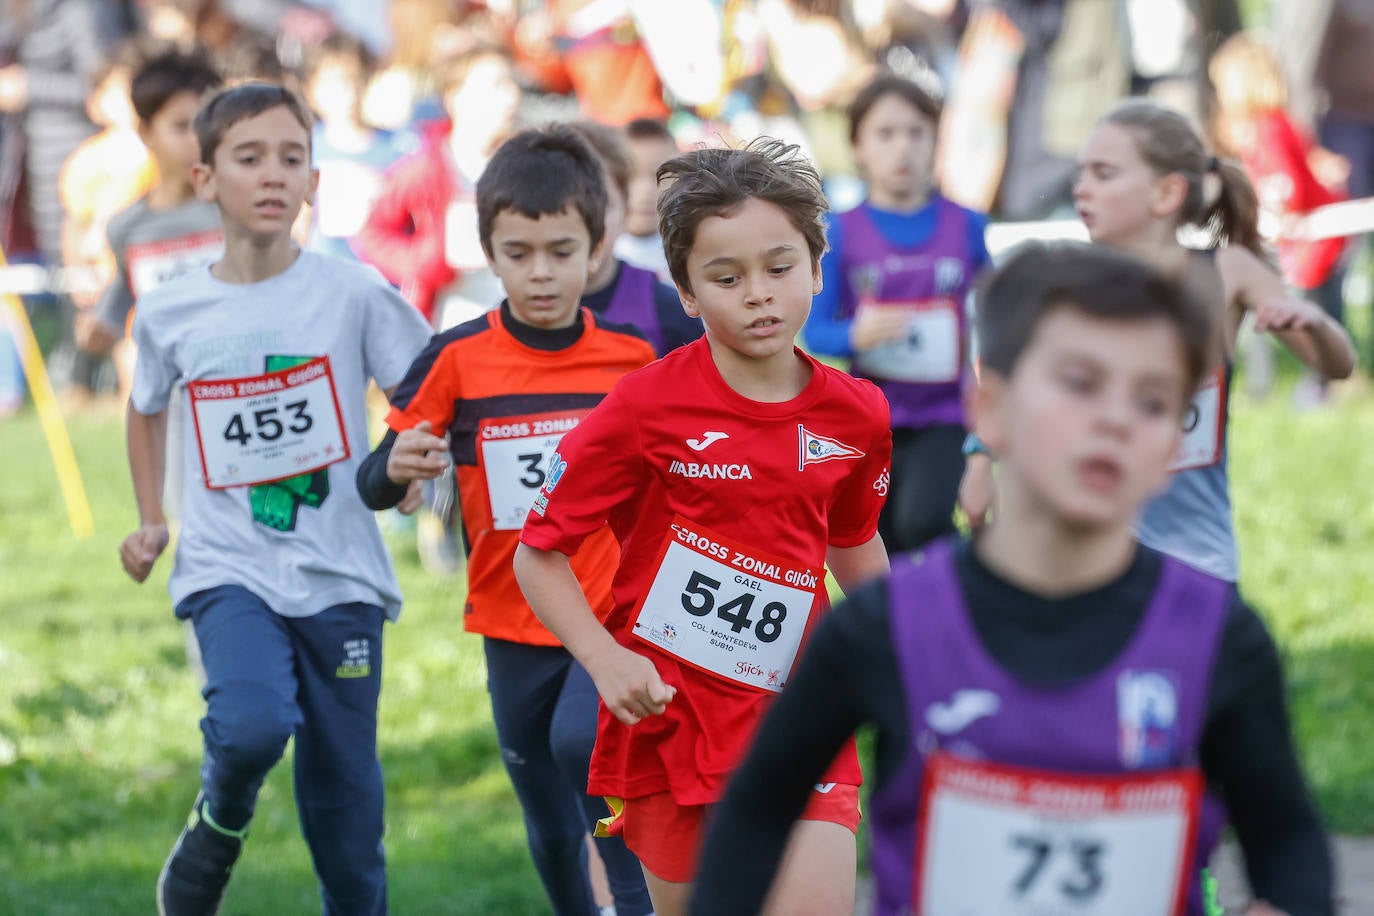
(505, 393)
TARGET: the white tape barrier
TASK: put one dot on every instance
(1352, 217)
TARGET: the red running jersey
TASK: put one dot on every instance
(724, 508)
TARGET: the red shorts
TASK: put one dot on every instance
(666, 836)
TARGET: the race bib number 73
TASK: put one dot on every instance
(729, 610)
(268, 427)
(1053, 842)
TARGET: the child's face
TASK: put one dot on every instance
(543, 263)
(333, 89)
(261, 174)
(752, 281)
(641, 208)
(895, 147)
(171, 138)
(1117, 193)
(1091, 416)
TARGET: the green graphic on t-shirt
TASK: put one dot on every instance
(276, 504)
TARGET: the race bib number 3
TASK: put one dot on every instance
(1053, 843)
(515, 456)
(1204, 426)
(728, 610)
(927, 351)
(268, 427)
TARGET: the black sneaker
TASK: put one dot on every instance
(197, 869)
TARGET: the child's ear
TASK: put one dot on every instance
(203, 181)
(817, 282)
(1169, 194)
(689, 303)
(988, 410)
(598, 255)
(313, 187)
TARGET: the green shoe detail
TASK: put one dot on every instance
(205, 815)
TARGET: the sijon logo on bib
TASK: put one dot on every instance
(1147, 719)
(817, 449)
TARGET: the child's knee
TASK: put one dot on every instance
(248, 725)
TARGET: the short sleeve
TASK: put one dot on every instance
(854, 513)
(393, 333)
(429, 391)
(598, 467)
(155, 373)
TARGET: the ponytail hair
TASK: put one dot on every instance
(1220, 198)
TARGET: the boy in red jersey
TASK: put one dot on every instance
(731, 471)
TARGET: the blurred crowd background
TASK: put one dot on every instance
(413, 95)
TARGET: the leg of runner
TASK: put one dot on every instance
(669, 897)
(817, 875)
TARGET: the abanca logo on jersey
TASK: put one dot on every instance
(816, 449)
(710, 471)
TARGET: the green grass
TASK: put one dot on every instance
(99, 746)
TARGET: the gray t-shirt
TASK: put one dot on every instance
(307, 542)
(152, 247)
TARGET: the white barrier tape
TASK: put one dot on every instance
(1353, 217)
(31, 279)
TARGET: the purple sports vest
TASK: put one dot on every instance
(875, 268)
(1080, 728)
(632, 303)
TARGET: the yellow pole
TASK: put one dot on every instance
(50, 415)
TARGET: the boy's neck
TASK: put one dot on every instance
(1034, 550)
(246, 261)
(904, 204)
(773, 380)
(166, 195)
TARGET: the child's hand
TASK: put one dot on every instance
(414, 498)
(873, 326)
(141, 549)
(417, 454)
(1287, 315)
(629, 685)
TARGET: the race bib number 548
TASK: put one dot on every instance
(1053, 842)
(268, 427)
(730, 610)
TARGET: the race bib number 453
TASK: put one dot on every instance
(268, 427)
(1007, 841)
(729, 610)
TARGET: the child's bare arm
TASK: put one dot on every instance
(147, 444)
(853, 566)
(1313, 336)
(627, 681)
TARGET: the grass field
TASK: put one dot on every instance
(99, 748)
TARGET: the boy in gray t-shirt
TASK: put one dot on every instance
(167, 231)
(279, 566)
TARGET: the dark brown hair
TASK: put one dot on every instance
(538, 171)
(649, 129)
(1169, 145)
(610, 148)
(1040, 277)
(716, 182)
(166, 76)
(238, 103)
(891, 84)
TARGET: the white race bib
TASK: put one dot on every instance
(268, 427)
(732, 611)
(1008, 841)
(151, 264)
(927, 351)
(514, 457)
(1204, 426)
